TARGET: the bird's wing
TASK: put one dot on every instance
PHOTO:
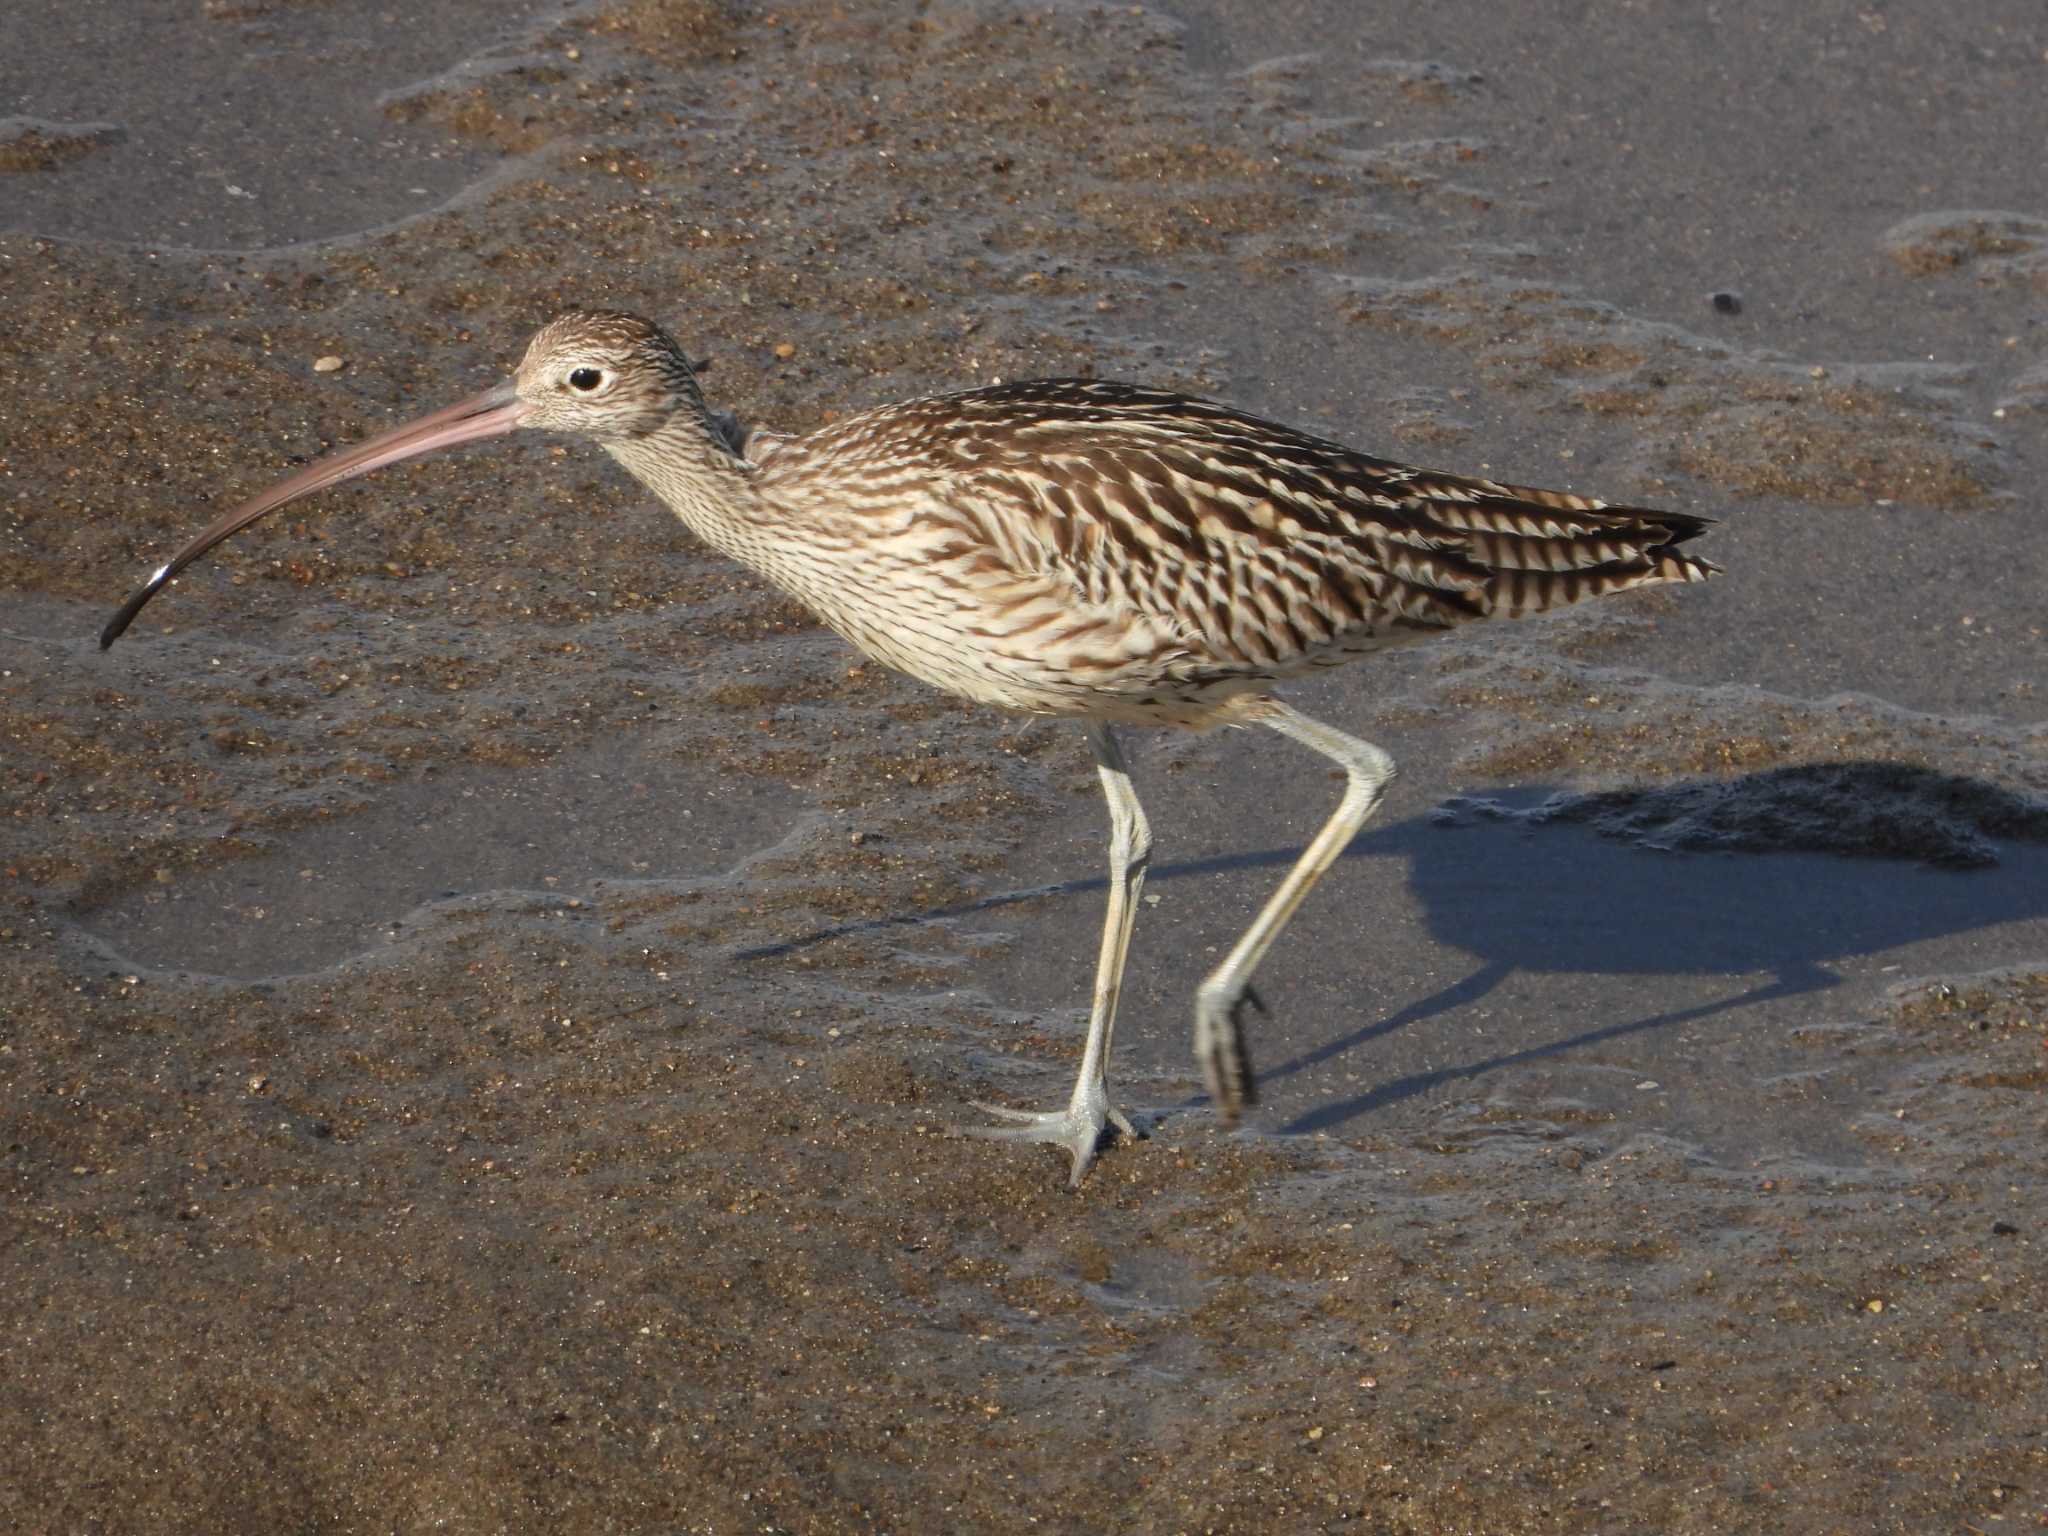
(1262, 545)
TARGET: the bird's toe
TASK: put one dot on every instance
(1076, 1130)
(1221, 1051)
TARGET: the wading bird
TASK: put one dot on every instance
(1104, 552)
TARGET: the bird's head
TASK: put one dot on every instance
(605, 375)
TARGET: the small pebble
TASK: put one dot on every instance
(785, 349)
(328, 364)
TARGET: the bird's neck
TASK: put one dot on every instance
(688, 464)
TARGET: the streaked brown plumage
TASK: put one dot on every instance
(1127, 554)
(1068, 547)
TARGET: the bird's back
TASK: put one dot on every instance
(1175, 551)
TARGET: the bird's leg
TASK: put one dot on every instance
(1078, 1128)
(1221, 999)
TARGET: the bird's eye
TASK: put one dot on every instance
(584, 380)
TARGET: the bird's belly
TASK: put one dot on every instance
(1063, 664)
(1032, 643)
(1127, 678)
(962, 662)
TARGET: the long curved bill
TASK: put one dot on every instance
(490, 414)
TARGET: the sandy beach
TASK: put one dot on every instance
(490, 987)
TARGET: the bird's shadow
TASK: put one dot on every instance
(1777, 874)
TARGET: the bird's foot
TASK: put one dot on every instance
(1220, 1049)
(1077, 1129)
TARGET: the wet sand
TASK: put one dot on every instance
(489, 984)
